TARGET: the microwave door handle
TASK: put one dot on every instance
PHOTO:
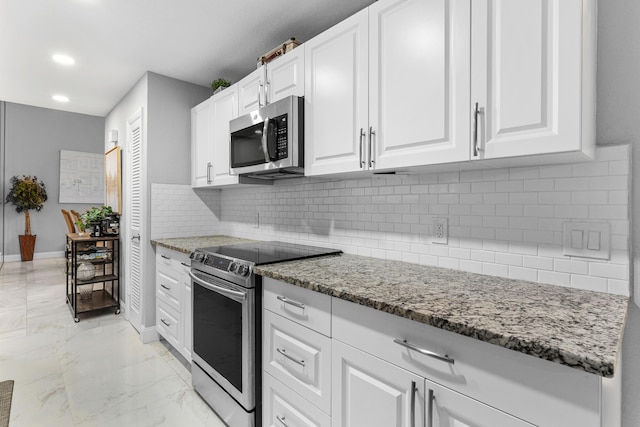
(265, 136)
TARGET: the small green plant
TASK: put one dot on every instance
(94, 214)
(27, 193)
(220, 83)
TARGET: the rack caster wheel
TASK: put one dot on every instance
(117, 311)
(76, 320)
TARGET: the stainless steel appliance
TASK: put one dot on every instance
(226, 324)
(268, 143)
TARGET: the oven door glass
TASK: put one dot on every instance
(218, 333)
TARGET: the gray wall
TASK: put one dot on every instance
(619, 121)
(34, 137)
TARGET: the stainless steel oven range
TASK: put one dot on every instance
(226, 324)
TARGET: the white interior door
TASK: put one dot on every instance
(134, 259)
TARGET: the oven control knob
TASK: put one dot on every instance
(233, 266)
(200, 257)
(243, 270)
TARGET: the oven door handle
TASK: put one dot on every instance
(234, 295)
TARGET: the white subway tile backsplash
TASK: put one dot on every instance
(505, 221)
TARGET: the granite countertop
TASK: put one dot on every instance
(189, 244)
(580, 329)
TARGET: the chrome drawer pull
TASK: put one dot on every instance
(165, 257)
(410, 346)
(165, 287)
(165, 322)
(284, 353)
(293, 303)
(185, 264)
(282, 421)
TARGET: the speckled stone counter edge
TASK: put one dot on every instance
(593, 363)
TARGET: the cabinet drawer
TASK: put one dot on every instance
(168, 289)
(505, 379)
(298, 357)
(281, 404)
(168, 323)
(300, 305)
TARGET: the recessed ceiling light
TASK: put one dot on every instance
(60, 98)
(63, 59)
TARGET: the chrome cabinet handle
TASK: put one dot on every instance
(430, 399)
(362, 136)
(165, 322)
(411, 346)
(281, 419)
(413, 404)
(136, 237)
(293, 359)
(260, 95)
(266, 92)
(185, 264)
(162, 285)
(209, 173)
(372, 134)
(476, 145)
(165, 257)
(291, 302)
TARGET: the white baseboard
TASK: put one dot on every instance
(149, 334)
(38, 255)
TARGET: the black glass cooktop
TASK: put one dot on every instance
(269, 252)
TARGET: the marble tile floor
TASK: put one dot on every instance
(93, 373)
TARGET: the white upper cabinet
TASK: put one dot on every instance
(282, 77)
(389, 88)
(224, 109)
(419, 57)
(201, 144)
(532, 77)
(285, 76)
(251, 91)
(336, 86)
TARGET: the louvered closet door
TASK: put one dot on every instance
(134, 138)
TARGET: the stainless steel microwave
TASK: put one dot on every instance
(268, 143)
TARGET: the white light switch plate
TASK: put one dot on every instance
(587, 239)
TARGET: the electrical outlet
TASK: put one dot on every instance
(440, 231)
(256, 220)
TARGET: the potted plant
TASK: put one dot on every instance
(27, 193)
(93, 217)
(219, 84)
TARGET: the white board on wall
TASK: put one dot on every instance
(81, 177)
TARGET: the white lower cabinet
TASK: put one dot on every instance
(284, 407)
(445, 408)
(173, 299)
(374, 369)
(368, 391)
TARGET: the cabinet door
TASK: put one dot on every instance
(284, 407)
(526, 76)
(285, 76)
(368, 391)
(201, 144)
(419, 66)
(251, 91)
(225, 108)
(445, 408)
(336, 97)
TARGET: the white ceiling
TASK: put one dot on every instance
(114, 42)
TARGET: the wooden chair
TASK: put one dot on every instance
(67, 217)
(74, 215)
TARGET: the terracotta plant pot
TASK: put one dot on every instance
(27, 246)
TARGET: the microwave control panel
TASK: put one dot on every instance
(280, 125)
